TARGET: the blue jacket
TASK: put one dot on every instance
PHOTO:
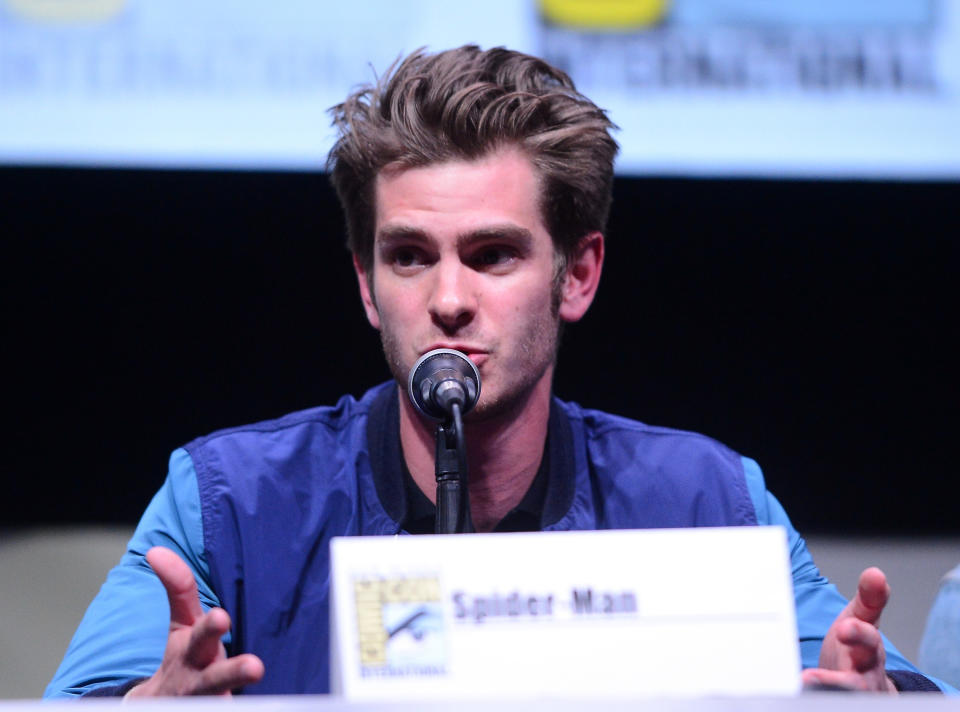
(252, 511)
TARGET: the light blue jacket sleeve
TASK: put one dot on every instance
(940, 647)
(818, 601)
(124, 632)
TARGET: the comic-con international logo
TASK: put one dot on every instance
(400, 626)
(800, 46)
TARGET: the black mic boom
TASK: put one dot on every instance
(441, 378)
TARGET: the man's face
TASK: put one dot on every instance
(463, 260)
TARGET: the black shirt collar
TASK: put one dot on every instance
(549, 497)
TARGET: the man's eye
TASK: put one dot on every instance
(406, 257)
(494, 256)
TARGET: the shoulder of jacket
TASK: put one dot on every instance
(598, 424)
(346, 413)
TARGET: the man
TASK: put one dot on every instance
(476, 187)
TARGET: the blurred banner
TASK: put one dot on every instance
(793, 88)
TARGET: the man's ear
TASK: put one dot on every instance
(366, 293)
(582, 277)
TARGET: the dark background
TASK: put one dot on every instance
(806, 324)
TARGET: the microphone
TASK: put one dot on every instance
(441, 379)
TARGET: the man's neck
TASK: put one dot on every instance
(503, 454)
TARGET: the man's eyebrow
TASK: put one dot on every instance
(519, 236)
(398, 233)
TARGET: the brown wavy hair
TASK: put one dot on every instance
(463, 104)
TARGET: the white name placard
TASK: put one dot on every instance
(668, 612)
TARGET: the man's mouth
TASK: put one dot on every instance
(476, 354)
(478, 358)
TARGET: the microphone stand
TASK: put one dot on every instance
(453, 498)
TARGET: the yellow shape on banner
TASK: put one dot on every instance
(65, 11)
(605, 14)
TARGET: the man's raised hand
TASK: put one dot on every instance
(852, 654)
(195, 661)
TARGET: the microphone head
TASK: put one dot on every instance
(441, 378)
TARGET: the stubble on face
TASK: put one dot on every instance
(535, 354)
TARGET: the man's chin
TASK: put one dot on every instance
(499, 406)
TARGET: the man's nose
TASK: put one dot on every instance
(453, 302)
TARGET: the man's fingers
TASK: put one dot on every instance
(195, 661)
(864, 644)
(819, 677)
(852, 654)
(873, 592)
(177, 579)
(204, 646)
(229, 674)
